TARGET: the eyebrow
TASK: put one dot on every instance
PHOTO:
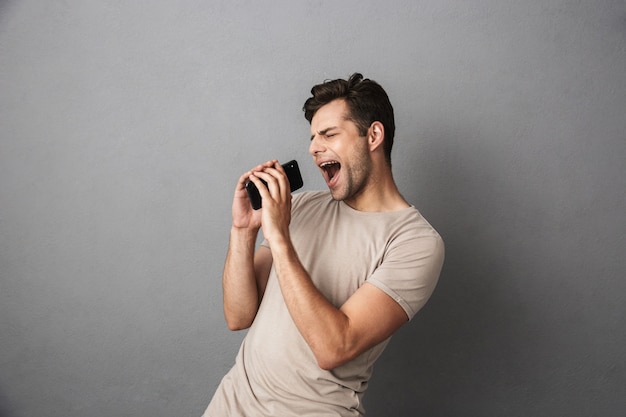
(324, 132)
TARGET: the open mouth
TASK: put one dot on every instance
(330, 169)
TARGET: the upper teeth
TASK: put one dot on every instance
(325, 164)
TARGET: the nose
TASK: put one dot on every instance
(315, 146)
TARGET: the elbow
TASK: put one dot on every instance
(334, 349)
(328, 365)
(236, 326)
(236, 323)
(333, 359)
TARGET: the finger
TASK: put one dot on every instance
(264, 166)
(276, 178)
(245, 177)
(278, 172)
(279, 167)
(256, 178)
(270, 181)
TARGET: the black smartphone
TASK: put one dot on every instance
(293, 175)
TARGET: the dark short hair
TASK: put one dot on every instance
(367, 102)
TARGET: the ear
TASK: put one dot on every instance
(376, 136)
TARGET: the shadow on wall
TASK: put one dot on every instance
(4, 5)
(472, 326)
(4, 410)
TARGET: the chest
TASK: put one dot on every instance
(339, 257)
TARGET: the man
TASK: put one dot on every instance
(338, 273)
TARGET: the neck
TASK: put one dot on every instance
(379, 195)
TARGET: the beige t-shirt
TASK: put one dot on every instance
(275, 373)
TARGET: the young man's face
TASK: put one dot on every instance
(339, 151)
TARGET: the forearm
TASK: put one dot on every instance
(324, 327)
(239, 283)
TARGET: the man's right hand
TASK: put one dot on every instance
(244, 216)
(245, 273)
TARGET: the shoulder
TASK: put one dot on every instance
(416, 229)
(411, 263)
(420, 226)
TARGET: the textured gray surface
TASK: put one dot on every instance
(123, 128)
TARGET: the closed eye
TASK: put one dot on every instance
(326, 132)
(326, 136)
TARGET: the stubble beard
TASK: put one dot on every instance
(355, 175)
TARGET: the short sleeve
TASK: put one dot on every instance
(410, 269)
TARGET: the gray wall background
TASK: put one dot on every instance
(124, 126)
